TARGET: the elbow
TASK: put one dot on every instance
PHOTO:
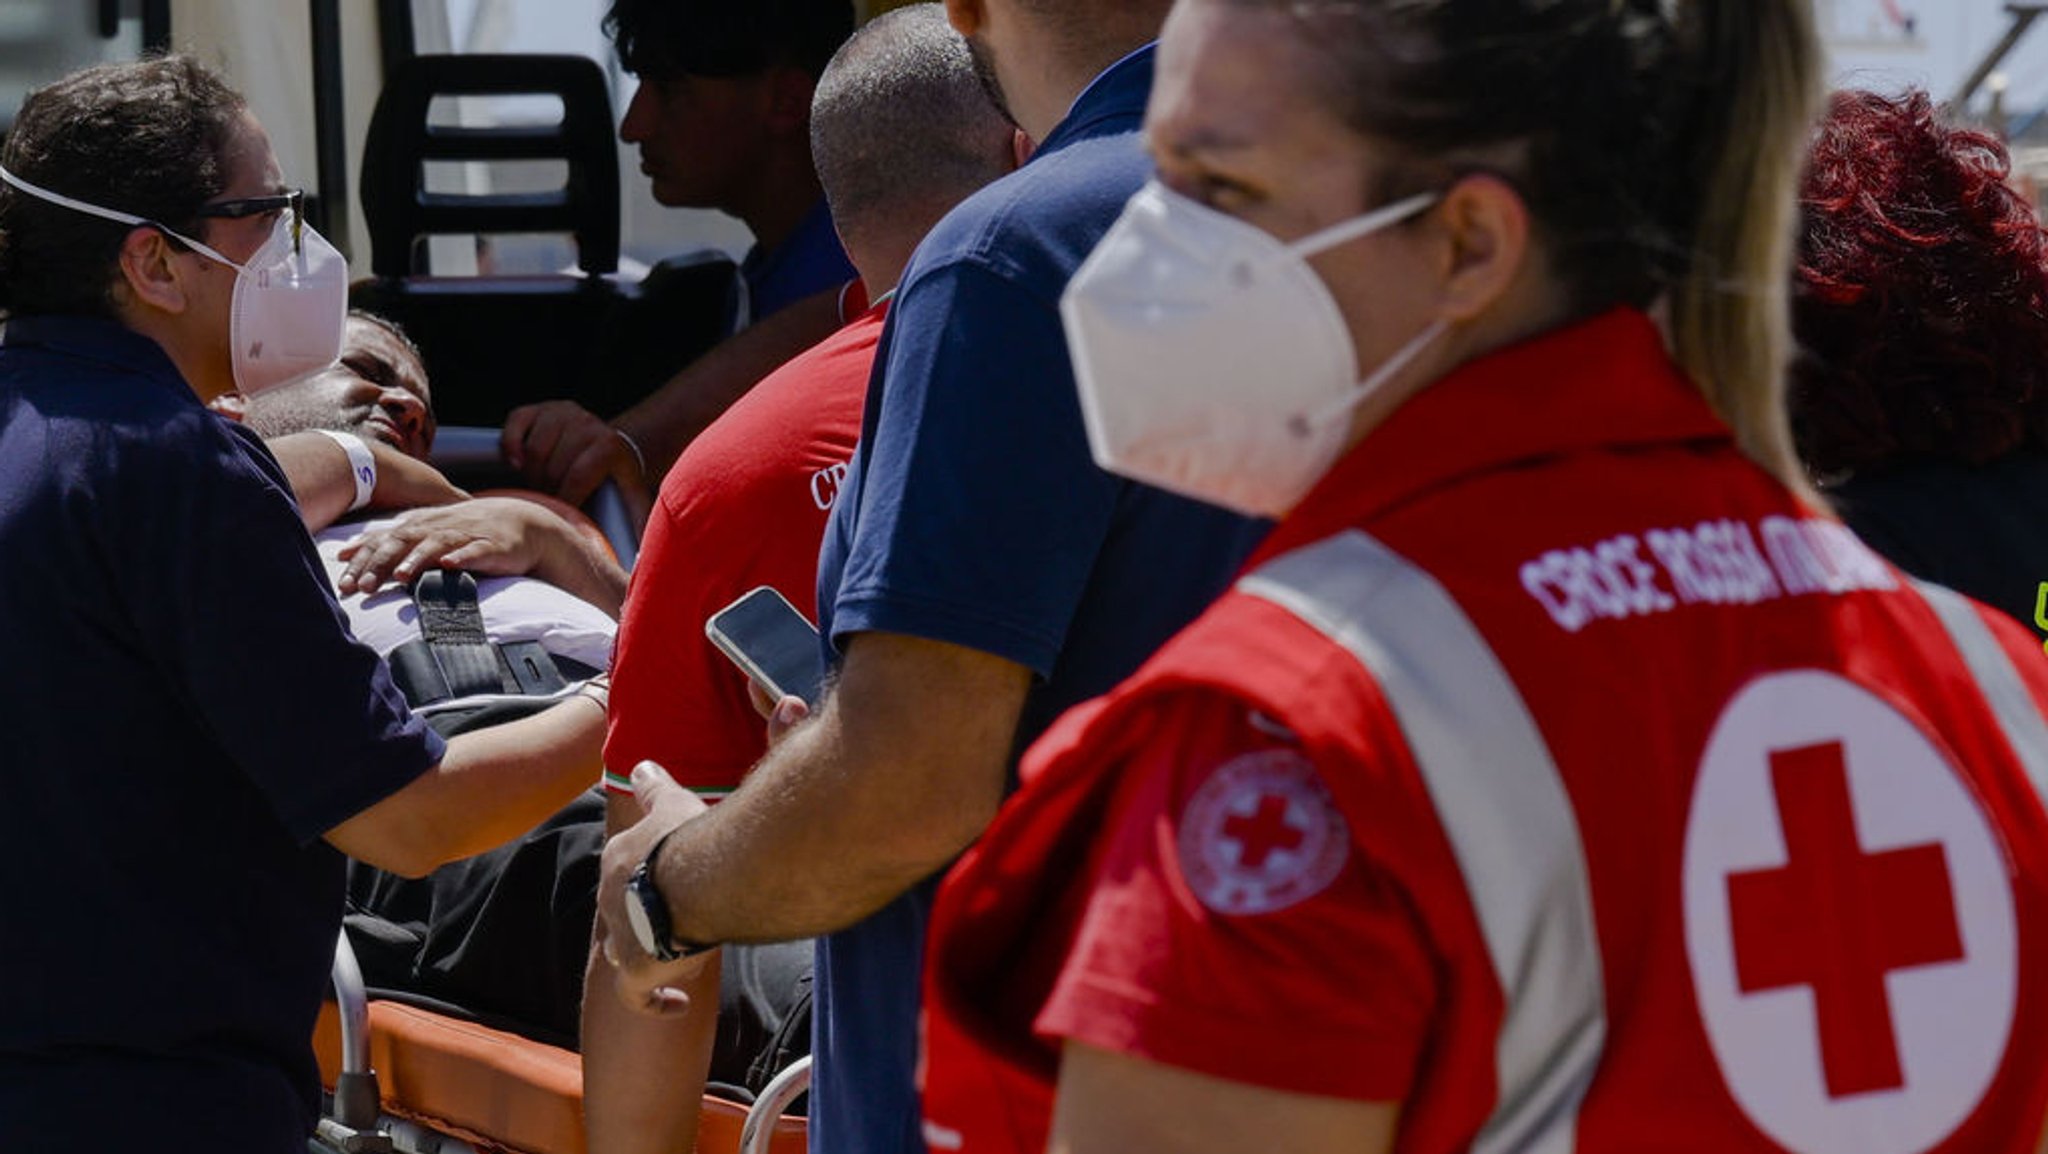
(401, 844)
(415, 831)
(931, 837)
(410, 860)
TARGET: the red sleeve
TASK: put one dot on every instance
(744, 506)
(1237, 930)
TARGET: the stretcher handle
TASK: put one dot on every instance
(759, 1130)
(355, 1088)
(475, 448)
(607, 507)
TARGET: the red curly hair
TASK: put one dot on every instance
(1921, 300)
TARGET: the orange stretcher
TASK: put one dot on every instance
(403, 1078)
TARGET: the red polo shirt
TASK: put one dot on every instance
(744, 506)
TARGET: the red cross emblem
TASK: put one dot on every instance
(1838, 920)
(1261, 834)
(1850, 923)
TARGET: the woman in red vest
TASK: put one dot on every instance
(1560, 776)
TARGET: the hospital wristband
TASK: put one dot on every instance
(362, 467)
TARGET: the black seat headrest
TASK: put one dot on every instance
(399, 209)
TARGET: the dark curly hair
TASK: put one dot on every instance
(147, 138)
(657, 38)
(1921, 300)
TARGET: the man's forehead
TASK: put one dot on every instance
(373, 339)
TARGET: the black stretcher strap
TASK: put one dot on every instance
(454, 658)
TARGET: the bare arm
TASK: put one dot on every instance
(568, 560)
(567, 450)
(318, 470)
(901, 768)
(493, 785)
(668, 420)
(643, 1076)
(1112, 1102)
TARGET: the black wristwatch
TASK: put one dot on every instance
(647, 913)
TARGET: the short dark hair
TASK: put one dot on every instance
(396, 331)
(727, 37)
(1921, 300)
(147, 138)
(899, 118)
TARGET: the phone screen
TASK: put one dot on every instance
(771, 642)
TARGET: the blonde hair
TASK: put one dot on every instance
(1730, 314)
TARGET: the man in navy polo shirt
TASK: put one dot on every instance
(191, 734)
(979, 575)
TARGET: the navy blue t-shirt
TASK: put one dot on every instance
(974, 514)
(806, 263)
(184, 716)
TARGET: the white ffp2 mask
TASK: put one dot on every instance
(290, 304)
(1211, 359)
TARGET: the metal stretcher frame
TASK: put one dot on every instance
(406, 1080)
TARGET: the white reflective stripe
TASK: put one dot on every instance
(115, 215)
(1501, 801)
(1993, 671)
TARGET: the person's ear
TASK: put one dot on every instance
(789, 100)
(966, 16)
(149, 269)
(1487, 227)
(233, 406)
(1021, 148)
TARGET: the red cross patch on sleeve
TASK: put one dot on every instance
(1262, 834)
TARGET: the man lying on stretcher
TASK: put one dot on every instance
(494, 934)
(503, 936)
(540, 579)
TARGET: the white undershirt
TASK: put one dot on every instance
(514, 609)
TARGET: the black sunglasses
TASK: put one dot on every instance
(292, 201)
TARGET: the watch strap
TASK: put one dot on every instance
(665, 946)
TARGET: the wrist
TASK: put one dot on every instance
(652, 918)
(636, 451)
(362, 465)
(598, 689)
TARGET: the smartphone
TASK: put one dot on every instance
(772, 643)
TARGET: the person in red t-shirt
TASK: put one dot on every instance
(902, 131)
(1559, 775)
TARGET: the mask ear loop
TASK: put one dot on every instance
(1344, 232)
(1304, 423)
(127, 218)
